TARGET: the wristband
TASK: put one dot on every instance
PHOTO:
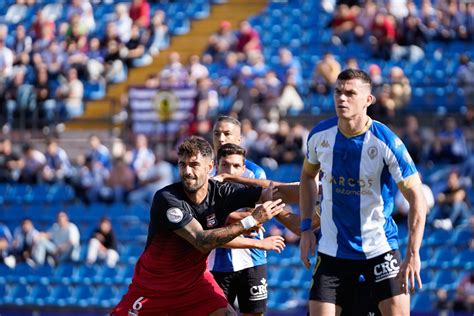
(248, 222)
(305, 224)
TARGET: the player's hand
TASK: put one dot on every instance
(222, 177)
(266, 211)
(267, 193)
(409, 272)
(275, 243)
(307, 245)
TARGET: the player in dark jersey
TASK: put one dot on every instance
(170, 276)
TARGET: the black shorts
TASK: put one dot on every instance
(338, 281)
(248, 285)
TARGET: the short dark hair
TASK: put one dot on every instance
(230, 149)
(193, 146)
(227, 119)
(350, 74)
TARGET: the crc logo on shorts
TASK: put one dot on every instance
(388, 269)
(259, 292)
(211, 220)
(174, 215)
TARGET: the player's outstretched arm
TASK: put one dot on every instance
(275, 243)
(288, 192)
(410, 269)
(292, 221)
(308, 197)
(206, 240)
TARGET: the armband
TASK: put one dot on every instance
(305, 224)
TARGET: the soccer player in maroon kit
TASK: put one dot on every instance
(187, 222)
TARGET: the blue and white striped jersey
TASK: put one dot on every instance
(231, 260)
(357, 174)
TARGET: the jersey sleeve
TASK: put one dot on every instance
(311, 149)
(237, 196)
(401, 165)
(169, 212)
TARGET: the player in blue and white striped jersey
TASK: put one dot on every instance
(356, 160)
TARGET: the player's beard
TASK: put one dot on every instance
(193, 188)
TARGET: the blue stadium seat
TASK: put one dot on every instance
(83, 294)
(61, 295)
(442, 258)
(461, 237)
(422, 301)
(40, 274)
(445, 279)
(286, 279)
(464, 260)
(39, 294)
(16, 294)
(63, 273)
(84, 274)
(438, 237)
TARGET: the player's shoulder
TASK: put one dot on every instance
(323, 125)
(169, 195)
(385, 134)
(258, 172)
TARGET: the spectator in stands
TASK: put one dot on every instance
(287, 146)
(71, 92)
(82, 9)
(442, 303)
(22, 42)
(402, 208)
(383, 35)
(154, 178)
(95, 60)
(290, 100)
(411, 39)
(248, 39)
(412, 138)
(6, 64)
(248, 135)
(33, 164)
(43, 31)
(57, 168)
(464, 300)
(5, 246)
(10, 162)
(453, 206)
(98, 151)
(174, 71)
(76, 29)
(325, 74)
(465, 78)
(123, 22)
(92, 179)
(103, 244)
(45, 98)
(365, 20)
(24, 238)
(141, 157)
(196, 69)
(400, 88)
(23, 64)
(20, 97)
(135, 53)
(343, 24)
(222, 42)
(139, 12)
(158, 33)
(449, 144)
(77, 59)
(114, 66)
(288, 66)
(54, 58)
(205, 100)
(59, 243)
(120, 182)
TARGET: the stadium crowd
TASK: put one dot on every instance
(44, 68)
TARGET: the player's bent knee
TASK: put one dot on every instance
(395, 306)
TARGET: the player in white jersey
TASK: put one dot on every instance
(356, 160)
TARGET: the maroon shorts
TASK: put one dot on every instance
(204, 298)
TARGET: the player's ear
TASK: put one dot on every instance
(211, 165)
(371, 99)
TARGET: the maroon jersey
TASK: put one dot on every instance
(170, 265)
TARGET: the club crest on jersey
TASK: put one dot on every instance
(174, 215)
(211, 220)
(372, 152)
(388, 269)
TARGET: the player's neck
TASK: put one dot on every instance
(198, 196)
(354, 126)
